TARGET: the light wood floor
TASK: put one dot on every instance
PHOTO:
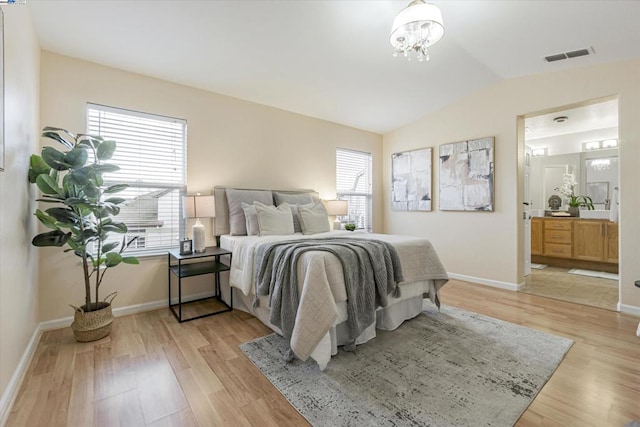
(557, 283)
(153, 371)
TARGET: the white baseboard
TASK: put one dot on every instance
(629, 309)
(11, 392)
(117, 312)
(123, 311)
(487, 282)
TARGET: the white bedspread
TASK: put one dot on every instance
(321, 280)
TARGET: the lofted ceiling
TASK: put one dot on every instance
(332, 59)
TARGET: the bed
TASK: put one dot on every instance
(321, 323)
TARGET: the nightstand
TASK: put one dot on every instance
(196, 264)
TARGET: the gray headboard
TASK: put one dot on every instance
(221, 221)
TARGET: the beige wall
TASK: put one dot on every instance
(18, 261)
(485, 245)
(230, 142)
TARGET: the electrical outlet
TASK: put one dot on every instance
(638, 330)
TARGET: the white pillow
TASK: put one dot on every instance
(274, 221)
(235, 197)
(313, 218)
(253, 229)
(294, 199)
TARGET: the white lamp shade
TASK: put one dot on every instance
(413, 16)
(199, 206)
(336, 207)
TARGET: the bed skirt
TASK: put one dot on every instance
(388, 319)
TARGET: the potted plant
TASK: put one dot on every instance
(82, 218)
(575, 202)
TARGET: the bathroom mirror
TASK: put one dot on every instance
(596, 173)
(601, 177)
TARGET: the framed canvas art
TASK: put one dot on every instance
(466, 175)
(411, 180)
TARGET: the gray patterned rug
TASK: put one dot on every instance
(453, 368)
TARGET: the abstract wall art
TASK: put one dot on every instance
(466, 175)
(411, 180)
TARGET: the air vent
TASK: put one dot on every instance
(557, 57)
(567, 55)
(576, 53)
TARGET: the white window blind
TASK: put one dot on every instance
(353, 181)
(151, 153)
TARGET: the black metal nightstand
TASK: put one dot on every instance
(196, 264)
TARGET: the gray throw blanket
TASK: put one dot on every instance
(371, 270)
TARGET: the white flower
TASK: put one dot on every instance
(569, 179)
(568, 184)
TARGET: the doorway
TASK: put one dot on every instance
(571, 153)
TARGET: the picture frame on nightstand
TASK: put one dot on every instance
(186, 247)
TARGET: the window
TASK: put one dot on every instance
(353, 181)
(151, 153)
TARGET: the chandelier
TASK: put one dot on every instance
(415, 28)
(600, 164)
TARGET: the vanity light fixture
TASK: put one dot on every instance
(592, 145)
(539, 152)
(599, 145)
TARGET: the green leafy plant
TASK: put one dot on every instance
(82, 216)
(581, 201)
(350, 227)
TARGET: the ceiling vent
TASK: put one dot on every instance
(567, 55)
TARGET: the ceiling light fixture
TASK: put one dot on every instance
(415, 28)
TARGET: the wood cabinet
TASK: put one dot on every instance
(611, 248)
(536, 236)
(557, 238)
(575, 238)
(589, 240)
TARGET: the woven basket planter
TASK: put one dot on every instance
(92, 325)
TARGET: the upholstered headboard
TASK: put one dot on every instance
(221, 221)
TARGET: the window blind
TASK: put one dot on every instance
(353, 182)
(151, 153)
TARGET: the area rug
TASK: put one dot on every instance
(448, 368)
(592, 273)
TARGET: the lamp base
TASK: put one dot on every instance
(197, 231)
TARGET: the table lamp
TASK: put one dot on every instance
(337, 208)
(198, 207)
